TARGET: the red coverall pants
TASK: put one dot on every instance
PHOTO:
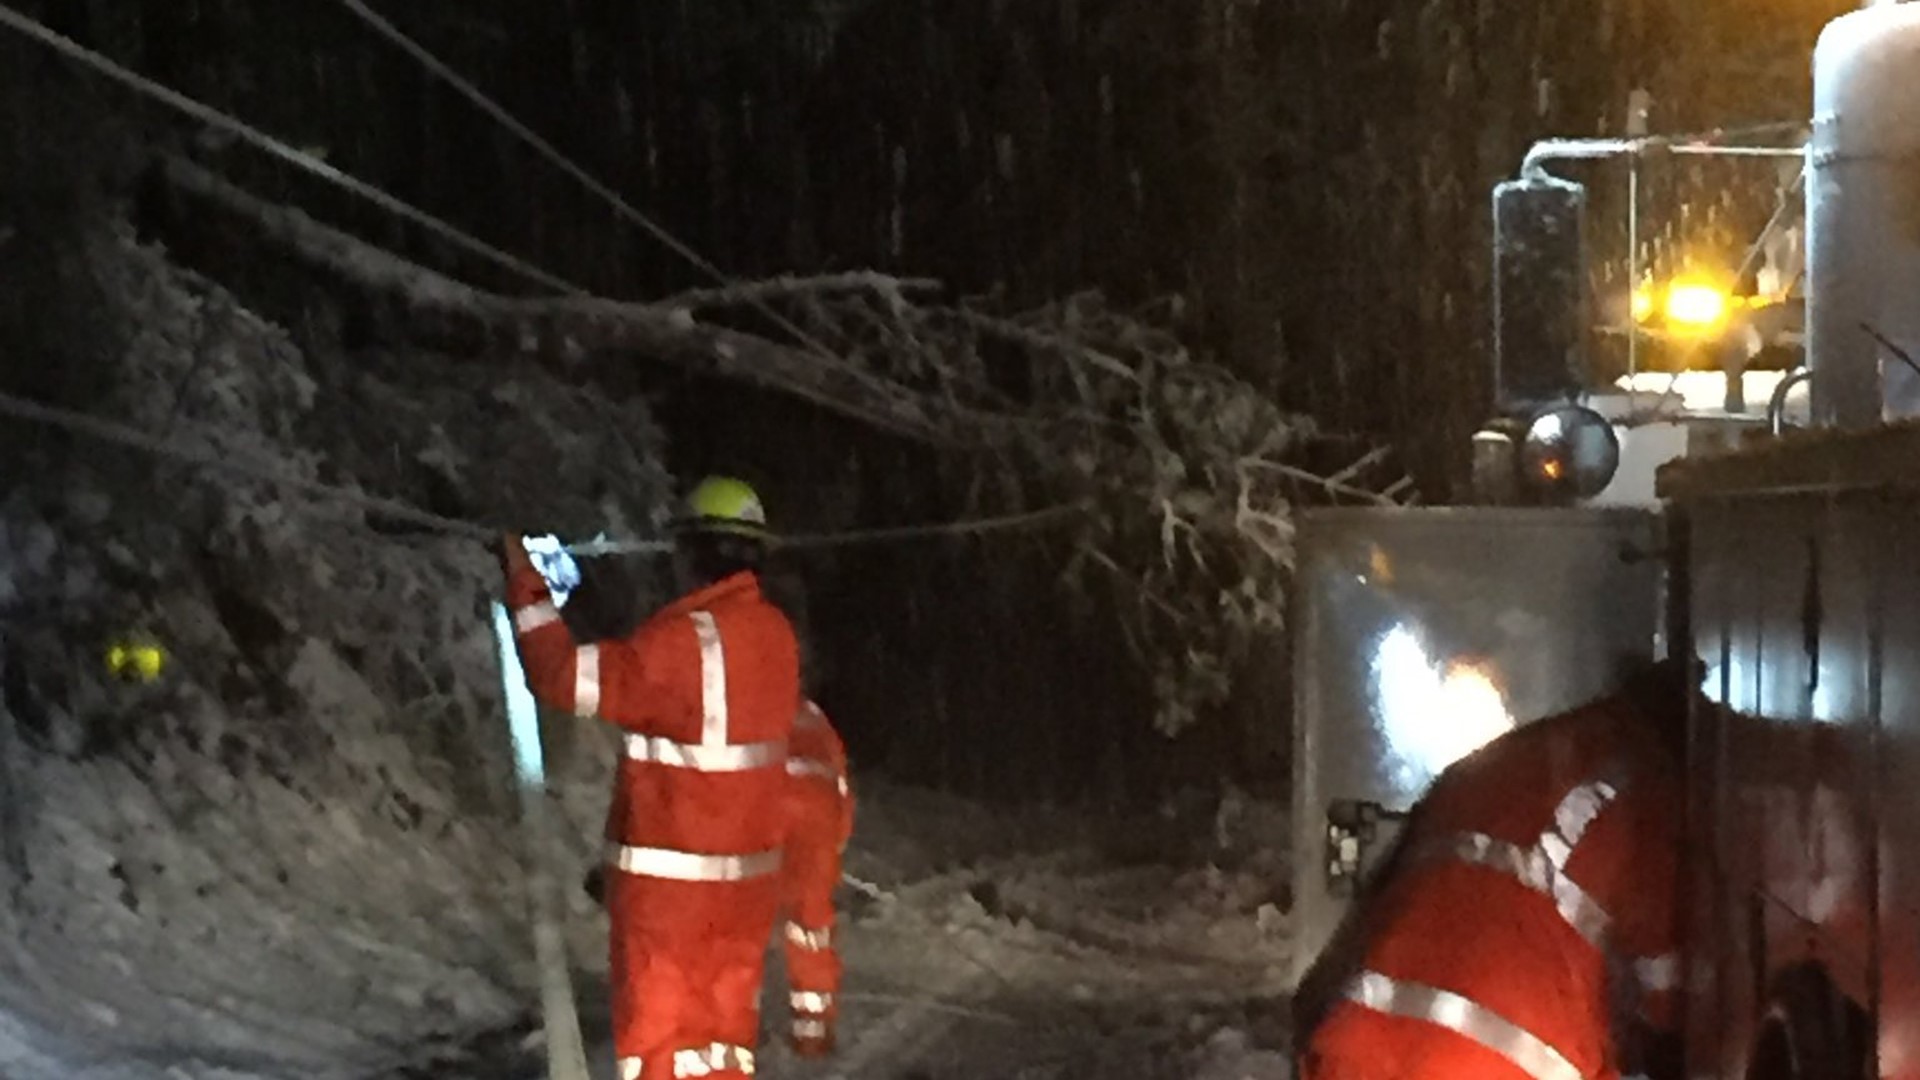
(687, 959)
(820, 819)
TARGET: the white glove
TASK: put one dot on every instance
(549, 556)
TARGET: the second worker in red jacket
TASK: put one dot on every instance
(706, 692)
(819, 822)
(1527, 927)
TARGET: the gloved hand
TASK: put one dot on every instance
(549, 556)
(595, 885)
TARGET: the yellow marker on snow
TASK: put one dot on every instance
(136, 660)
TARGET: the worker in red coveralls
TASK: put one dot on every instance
(705, 691)
(819, 822)
(1527, 927)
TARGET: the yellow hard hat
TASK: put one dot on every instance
(724, 504)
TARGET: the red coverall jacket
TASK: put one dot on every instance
(1538, 888)
(819, 822)
(706, 692)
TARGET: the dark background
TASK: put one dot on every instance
(1301, 186)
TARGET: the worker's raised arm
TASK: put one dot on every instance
(561, 672)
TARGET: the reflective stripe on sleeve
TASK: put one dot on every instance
(689, 866)
(1466, 1018)
(586, 680)
(710, 1059)
(1534, 869)
(804, 766)
(713, 680)
(809, 1028)
(534, 616)
(735, 757)
(811, 940)
(1542, 866)
(630, 1068)
(1576, 813)
(809, 1001)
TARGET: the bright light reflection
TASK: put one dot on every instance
(1432, 716)
(1697, 307)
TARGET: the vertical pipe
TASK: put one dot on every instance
(1633, 262)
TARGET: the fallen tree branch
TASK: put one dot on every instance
(1326, 484)
(1038, 339)
(787, 285)
(571, 327)
(1180, 468)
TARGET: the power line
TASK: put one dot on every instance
(214, 118)
(132, 438)
(560, 160)
(965, 527)
(273, 473)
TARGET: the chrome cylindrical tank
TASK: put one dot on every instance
(1863, 219)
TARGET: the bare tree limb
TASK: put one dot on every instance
(569, 327)
(1180, 467)
(787, 285)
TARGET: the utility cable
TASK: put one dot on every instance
(780, 541)
(214, 118)
(120, 434)
(525, 134)
(108, 431)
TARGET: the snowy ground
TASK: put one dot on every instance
(1044, 948)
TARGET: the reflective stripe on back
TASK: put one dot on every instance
(713, 680)
(733, 757)
(586, 680)
(1464, 1017)
(689, 866)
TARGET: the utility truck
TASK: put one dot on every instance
(1747, 493)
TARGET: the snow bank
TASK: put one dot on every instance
(293, 853)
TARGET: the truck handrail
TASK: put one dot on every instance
(1777, 405)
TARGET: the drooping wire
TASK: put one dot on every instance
(214, 118)
(95, 427)
(122, 435)
(480, 100)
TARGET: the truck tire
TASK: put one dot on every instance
(1810, 1031)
